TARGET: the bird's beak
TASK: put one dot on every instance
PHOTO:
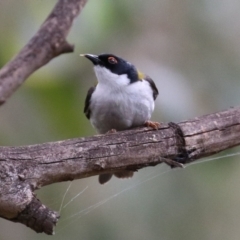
(93, 58)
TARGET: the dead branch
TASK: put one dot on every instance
(48, 42)
(24, 169)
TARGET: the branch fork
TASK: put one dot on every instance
(27, 168)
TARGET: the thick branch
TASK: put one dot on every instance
(48, 42)
(24, 169)
(38, 217)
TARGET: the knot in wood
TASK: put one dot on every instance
(100, 164)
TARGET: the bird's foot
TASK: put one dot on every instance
(173, 163)
(154, 125)
(112, 131)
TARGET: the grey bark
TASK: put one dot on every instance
(47, 43)
(17, 201)
(24, 169)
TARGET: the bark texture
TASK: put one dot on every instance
(17, 200)
(49, 42)
(24, 169)
(27, 168)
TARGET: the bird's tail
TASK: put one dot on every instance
(103, 178)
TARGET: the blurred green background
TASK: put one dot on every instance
(192, 51)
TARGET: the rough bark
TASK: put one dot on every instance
(47, 43)
(17, 200)
(24, 169)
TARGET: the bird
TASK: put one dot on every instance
(123, 98)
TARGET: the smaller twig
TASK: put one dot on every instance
(38, 217)
(48, 42)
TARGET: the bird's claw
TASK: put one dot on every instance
(112, 131)
(154, 125)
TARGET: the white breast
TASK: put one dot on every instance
(116, 104)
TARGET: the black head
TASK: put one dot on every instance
(114, 64)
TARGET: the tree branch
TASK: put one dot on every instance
(24, 169)
(48, 42)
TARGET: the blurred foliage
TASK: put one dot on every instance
(192, 51)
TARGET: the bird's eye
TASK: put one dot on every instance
(112, 60)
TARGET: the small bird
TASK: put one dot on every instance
(122, 99)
